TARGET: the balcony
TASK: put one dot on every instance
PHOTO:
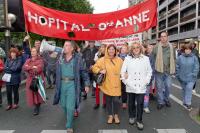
(173, 10)
(188, 17)
(163, 5)
(187, 3)
(162, 27)
(173, 37)
(189, 34)
(173, 23)
(162, 15)
(170, 1)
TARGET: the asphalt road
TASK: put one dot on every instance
(91, 121)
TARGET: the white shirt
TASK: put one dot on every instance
(139, 74)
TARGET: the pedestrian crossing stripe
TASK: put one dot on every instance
(54, 131)
(113, 131)
(171, 131)
(7, 131)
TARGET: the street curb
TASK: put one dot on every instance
(193, 115)
(3, 89)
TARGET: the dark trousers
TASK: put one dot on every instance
(112, 104)
(124, 94)
(15, 90)
(0, 95)
(91, 76)
(135, 110)
(51, 77)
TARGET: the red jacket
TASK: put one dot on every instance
(1, 71)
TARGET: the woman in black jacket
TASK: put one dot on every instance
(13, 67)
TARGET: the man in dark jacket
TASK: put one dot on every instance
(88, 55)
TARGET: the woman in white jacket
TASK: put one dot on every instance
(136, 74)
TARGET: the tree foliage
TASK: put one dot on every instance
(75, 6)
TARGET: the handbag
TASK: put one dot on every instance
(100, 78)
(34, 84)
(6, 77)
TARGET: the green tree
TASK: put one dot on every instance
(75, 6)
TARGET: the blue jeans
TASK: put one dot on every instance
(187, 92)
(163, 84)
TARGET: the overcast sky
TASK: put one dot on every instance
(103, 6)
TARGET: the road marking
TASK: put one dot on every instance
(171, 131)
(178, 87)
(7, 131)
(176, 100)
(54, 131)
(113, 131)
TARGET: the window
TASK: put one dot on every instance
(173, 31)
(173, 5)
(188, 11)
(173, 20)
(187, 27)
(161, 1)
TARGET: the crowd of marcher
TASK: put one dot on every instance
(130, 74)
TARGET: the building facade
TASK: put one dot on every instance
(180, 18)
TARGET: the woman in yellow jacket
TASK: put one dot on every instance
(110, 65)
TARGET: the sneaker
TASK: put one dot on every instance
(131, 121)
(188, 107)
(140, 125)
(9, 107)
(194, 91)
(146, 110)
(168, 104)
(69, 130)
(160, 106)
(96, 106)
(15, 106)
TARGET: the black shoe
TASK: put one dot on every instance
(188, 107)
(168, 104)
(96, 106)
(84, 96)
(160, 106)
(93, 95)
(37, 110)
(104, 106)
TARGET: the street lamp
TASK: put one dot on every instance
(9, 20)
